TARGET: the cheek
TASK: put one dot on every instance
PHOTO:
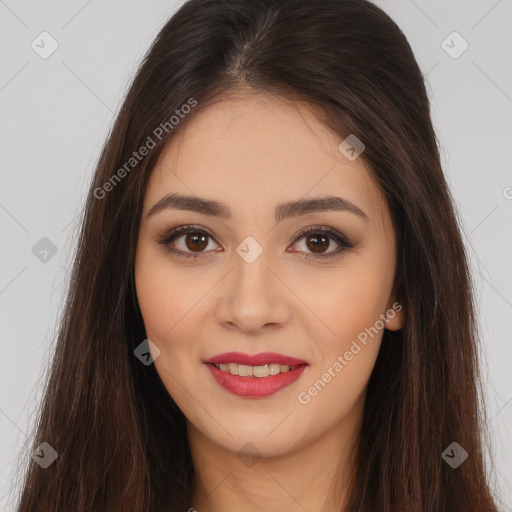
(158, 301)
(345, 303)
(166, 301)
(166, 295)
(165, 298)
(347, 351)
(348, 338)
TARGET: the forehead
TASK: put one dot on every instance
(264, 147)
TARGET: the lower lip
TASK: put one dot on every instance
(255, 387)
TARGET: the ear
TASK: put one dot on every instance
(395, 315)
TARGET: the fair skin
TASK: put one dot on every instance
(251, 153)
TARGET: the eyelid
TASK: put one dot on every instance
(321, 229)
(184, 229)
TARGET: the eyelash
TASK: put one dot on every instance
(331, 234)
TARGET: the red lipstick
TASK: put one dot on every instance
(255, 360)
(255, 387)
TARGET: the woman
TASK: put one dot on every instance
(270, 305)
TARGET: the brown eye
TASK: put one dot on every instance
(196, 241)
(187, 241)
(317, 243)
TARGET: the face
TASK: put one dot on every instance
(244, 277)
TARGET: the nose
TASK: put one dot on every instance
(253, 297)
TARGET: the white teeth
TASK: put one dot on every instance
(274, 369)
(257, 371)
(244, 371)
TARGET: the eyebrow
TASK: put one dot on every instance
(282, 211)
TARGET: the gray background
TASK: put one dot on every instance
(55, 114)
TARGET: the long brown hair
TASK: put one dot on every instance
(120, 438)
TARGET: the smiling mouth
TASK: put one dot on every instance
(260, 371)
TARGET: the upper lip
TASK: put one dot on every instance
(255, 360)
